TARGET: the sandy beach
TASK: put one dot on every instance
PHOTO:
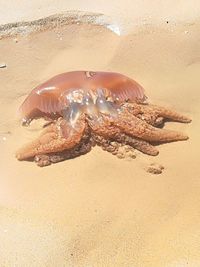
(98, 210)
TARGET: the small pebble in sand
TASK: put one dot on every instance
(4, 135)
(155, 168)
(120, 155)
(131, 154)
(126, 148)
(3, 65)
(15, 40)
(125, 152)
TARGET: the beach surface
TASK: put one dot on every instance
(98, 210)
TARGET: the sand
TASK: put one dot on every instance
(126, 13)
(98, 210)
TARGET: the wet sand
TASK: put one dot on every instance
(98, 210)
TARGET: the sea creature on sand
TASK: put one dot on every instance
(85, 109)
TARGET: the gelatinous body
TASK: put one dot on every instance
(57, 93)
(89, 108)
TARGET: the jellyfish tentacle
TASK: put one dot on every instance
(106, 144)
(85, 145)
(155, 112)
(141, 145)
(56, 137)
(168, 113)
(105, 129)
(135, 127)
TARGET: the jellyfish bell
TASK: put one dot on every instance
(47, 99)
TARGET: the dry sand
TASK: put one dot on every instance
(98, 210)
(127, 13)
